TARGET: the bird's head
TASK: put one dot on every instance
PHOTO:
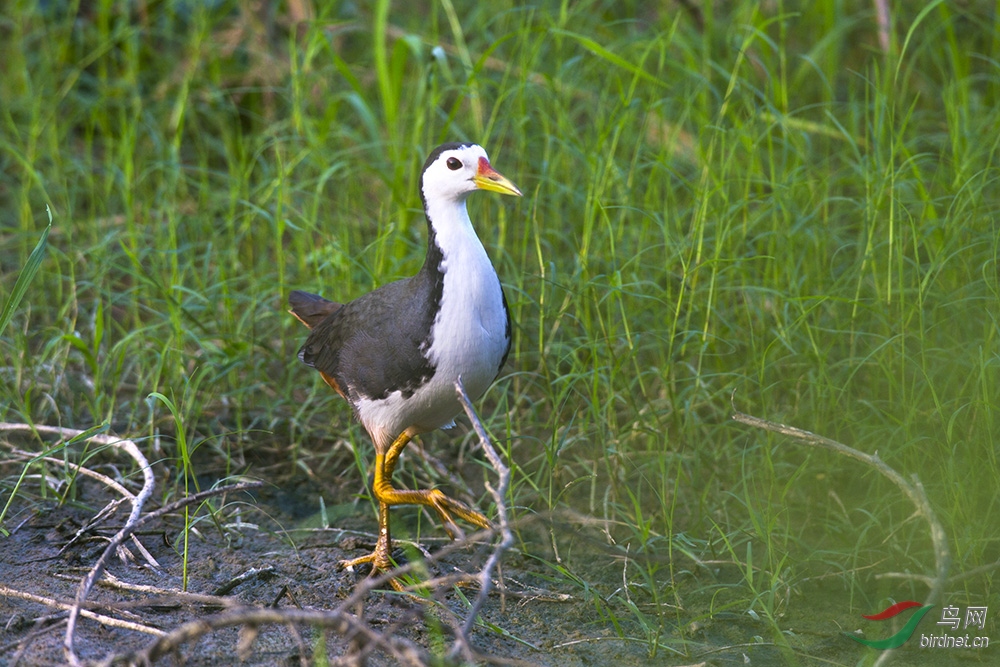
(453, 171)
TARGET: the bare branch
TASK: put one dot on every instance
(914, 491)
(402, 651)
(506, 535)
(137, 501)
(133, 525)
(21, 455)
(100, 618)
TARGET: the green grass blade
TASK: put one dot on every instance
(83, 437)
(602, 52)
(26, 275)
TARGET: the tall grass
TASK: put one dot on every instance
(740, 200)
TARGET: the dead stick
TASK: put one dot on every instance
(77, 468)
(133, 525)
(915, 492)
(137, 501)
(506, 535)
(21, 455)
(109, 621)
(402, 650)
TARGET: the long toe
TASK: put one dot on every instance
(352, 563)
(378, 565)
(375, 559)
(446, 506)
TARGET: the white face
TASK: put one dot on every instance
(452, 175)
(459, 170)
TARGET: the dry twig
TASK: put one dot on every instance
(109, 621)
(402, 651)
(95, 572)
(913, 490)
(22, 455)
(340, 620)
(137, 501)
(462, 644)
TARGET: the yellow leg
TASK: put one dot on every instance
(387, 496)
(380, 559)
(441, 503)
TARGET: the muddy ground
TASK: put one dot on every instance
(268, 549)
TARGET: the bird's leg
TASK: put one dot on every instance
(380, 559)
(441, 503)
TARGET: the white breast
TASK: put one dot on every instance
(468, 337)
(470, 331)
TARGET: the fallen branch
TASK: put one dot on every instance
(88, 582)
(340, 620)
(403, 651)
(22, 455)
(69, 435)
(161, 597)
(462, 644)
(108, 621)
(137, 501)
(913, 490)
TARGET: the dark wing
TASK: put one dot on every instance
(375, 344)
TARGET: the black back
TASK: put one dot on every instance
(377, 344)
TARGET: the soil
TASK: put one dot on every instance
(266, 550)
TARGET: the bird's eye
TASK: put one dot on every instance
(454, 163)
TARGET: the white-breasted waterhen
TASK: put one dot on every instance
(395, 353)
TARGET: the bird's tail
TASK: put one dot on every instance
(311, 309)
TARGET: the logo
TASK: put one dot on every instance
(950, 616)
(904, 633)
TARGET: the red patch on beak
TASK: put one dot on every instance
(485, 169)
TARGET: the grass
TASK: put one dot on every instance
(747, 198)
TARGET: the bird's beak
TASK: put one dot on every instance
(488, 178)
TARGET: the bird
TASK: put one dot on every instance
(396, 353)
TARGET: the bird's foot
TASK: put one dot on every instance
(350, 564)
(446, 506)
(380, 564)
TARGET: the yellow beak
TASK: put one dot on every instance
(488, 178)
